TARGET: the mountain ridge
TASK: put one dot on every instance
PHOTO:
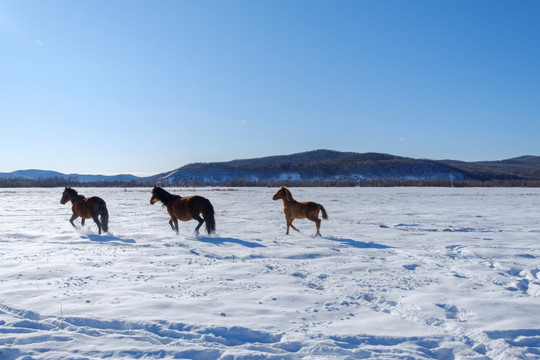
(329, 165)
(36, 174)
(317, 167)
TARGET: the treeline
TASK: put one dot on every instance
(365, 183)
(62, 181)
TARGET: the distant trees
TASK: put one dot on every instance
(48, 182)
(193, 182)
(440, 182)
(61, 182)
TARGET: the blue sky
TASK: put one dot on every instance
(148, 86)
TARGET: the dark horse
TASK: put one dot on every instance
(299, 210)
(185, 209)
(87, 208)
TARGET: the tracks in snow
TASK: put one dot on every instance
(28, 333)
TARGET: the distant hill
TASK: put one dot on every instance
(522, 168)
(34, 174)
(319, 167)
(327, 166)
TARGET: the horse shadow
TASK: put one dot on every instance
(107, 239)
(222, 240)
(358, 244)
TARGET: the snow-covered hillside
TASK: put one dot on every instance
(319, 166)
(400, 273)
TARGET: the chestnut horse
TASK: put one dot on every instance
(185, 209)
(87, 208)
(299, 210)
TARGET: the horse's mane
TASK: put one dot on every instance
(163, 195)
(71, 191)
(72, 194)
(288, 193)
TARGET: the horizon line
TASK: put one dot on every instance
(142, 174)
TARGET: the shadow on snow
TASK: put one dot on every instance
(358, 244)
(222, 240)
(107, 238)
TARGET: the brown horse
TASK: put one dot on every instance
(87, 208)
(185, 209)
(299, 210)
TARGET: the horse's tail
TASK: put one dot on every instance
(208, 215)
(324, 215)
(104, 218)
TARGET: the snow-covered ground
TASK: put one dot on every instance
(400, 273)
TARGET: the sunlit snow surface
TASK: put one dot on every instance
(400, 273)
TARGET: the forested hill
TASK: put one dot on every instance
(523, 167)
(327, 167)
(312, 168)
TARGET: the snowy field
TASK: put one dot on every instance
(400, 273)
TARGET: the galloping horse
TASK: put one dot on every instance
(185, 209)
(87, 208)
(299, 210)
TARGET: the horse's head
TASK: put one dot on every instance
(155, 195)
(66, 195)
(283, 193)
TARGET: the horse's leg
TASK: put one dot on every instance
(73, 217)
(96, 220)
(290, 219)
(82, 221)
(317, 222)
(174, 224)
(289, 224)
(200, 220)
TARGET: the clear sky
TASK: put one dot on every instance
(145, 87)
